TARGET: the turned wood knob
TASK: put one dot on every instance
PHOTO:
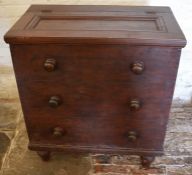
(132, 136)
(137, 67)
(54, 101)
(58, 132)
(50, 64)
(135, 105)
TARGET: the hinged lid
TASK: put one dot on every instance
(98, 25)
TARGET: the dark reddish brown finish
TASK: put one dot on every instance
(97, 25)
(96, 79)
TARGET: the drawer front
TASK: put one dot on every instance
(100, 132)
(95, 100)
(95, 62)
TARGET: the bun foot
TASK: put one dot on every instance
(146, 161)
(45, 155)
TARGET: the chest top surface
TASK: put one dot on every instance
(139, 25)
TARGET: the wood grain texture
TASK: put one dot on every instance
(96, 85)
(91, 86)
(97, 24)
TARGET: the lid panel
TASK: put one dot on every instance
(96, 23)
(142, 26)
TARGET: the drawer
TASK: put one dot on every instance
(95, 62)
(93, 99)
(103, 132)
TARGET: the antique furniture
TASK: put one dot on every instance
(96, 78)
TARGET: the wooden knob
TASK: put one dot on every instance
(135, 105)
(137, 67)
(58, 132)
(50, 64)
(54, 101)
(132, 136)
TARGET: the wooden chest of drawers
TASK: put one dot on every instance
(96, 78)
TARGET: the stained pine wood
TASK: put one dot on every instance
(74, 71)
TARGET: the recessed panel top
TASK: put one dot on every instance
(75, 23)
(97, 24)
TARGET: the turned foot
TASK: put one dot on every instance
(45, 155)
(146, 161)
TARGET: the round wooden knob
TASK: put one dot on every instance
(132, 136)
(58, 132)
(50, 64)
(54, 101)
(137, 67)
(135, 105)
